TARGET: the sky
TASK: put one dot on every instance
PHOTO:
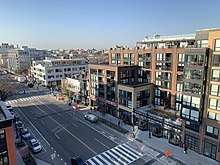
(99, 24)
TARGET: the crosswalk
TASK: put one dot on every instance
(27, 91)
(25, 99)
(120, 155)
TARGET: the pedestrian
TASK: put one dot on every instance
(149, 134)
(119, 123)
(184, 149)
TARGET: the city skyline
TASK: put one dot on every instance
(101, 24)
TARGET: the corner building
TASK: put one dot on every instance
(184, 73)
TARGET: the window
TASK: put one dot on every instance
(185, 112)
(181, 57)
(179, 87)
(195, 102)
(178, 97)
(215, 90)
(194, 115)
(214, 104)
(215, 75)
(186, 99)
(211, 131)
(216, 60)
(217, 45)
(214, 116)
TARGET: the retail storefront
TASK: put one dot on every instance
(159, 126)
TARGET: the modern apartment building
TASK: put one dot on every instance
(19, 59)
(186, 73)
(50, 72)
(7, 145)
(200, 108)
(162, 60)
(118, 90)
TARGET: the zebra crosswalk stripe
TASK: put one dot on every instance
(129, 156)
(105, 154)
(119, 155)
(132, 150)
(91, 162)
(98, 161)
(104, 160)
(132, 153)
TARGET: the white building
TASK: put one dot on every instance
(50, 72)
(19, 60)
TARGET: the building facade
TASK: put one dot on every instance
(118, 90)
(76, 88)
(7, 144)
(200, 108)
(185, 71)
(19, 59)
(50, 72)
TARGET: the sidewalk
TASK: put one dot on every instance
(159, 144)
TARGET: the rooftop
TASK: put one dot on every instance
(5, 114)
(169, 38)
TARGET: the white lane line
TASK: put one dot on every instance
(74, 124)
(101, 143)
(98, 131)
(33, 126)
(57, 136)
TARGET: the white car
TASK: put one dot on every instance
(35, 146)
(25, 134)
(92, 118)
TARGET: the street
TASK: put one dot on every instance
(64, 133)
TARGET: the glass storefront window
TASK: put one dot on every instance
(210, 150)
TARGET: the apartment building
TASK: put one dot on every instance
(200, 108)
(118, 90)
(50, 72)
(7, 144)
(19, 59)
(185, 71)
(162, 60)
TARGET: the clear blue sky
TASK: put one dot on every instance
(101, 23)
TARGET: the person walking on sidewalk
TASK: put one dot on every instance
(185, 148)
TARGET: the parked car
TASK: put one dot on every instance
(19, 124)
(77, 161)
(25, 134)
(92, 118)
(35, 146)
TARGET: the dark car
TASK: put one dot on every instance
(77, 161)
(31, 85)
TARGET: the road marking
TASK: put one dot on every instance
(33, 126)
(74, 124)
(53, 156)
(101, 143)
(42, 122)
(64, 127)
(100, 132)
(57, 136)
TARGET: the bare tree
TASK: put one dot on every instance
(7, 88)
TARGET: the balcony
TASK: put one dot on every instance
(195, 63)
(192, 90)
